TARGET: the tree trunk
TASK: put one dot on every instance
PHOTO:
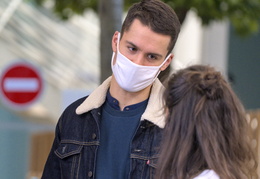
(110, 13)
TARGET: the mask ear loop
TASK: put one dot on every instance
(117, 47)
(165, 60)
(159, 71)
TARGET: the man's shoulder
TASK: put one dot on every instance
(72, 107)
(69, 115)
(78, 101)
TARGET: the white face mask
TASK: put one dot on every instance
(133, 77)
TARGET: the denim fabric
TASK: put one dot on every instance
(74, 150)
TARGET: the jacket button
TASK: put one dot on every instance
(90, 174)
(94, 136)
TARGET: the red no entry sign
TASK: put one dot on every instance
(21, 85)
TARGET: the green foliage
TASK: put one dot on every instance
(243, 14)
(66, 8)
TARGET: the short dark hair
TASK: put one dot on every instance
(157, 15)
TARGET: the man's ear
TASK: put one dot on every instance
(167, 63)
(114, 41)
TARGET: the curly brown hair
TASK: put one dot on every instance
(206, 128)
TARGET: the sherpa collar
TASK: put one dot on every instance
(154, 111)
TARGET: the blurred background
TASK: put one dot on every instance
(55, 51)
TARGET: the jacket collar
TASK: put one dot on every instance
(154, 111)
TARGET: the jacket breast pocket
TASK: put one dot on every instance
(70, 155)
(143, 167)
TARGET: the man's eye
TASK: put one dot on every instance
(152, 57)
(132, 48)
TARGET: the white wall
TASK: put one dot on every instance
(188, 47)
(202, 45)
(215, 40)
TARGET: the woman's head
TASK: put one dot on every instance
(205, 127)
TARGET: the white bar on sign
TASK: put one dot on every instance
(21, 84)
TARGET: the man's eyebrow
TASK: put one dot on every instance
(150, 53)
(130, 43)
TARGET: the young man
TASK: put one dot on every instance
(115, 132)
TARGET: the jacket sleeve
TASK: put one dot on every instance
(52, 167)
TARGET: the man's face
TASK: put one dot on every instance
(143, 46)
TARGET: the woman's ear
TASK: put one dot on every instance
(167, 63)
(114, 41)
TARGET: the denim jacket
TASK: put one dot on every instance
(74, 151)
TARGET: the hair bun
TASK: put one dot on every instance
(209, 85)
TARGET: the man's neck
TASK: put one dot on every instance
(126, 98)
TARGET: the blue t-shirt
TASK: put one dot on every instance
(117, 129)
